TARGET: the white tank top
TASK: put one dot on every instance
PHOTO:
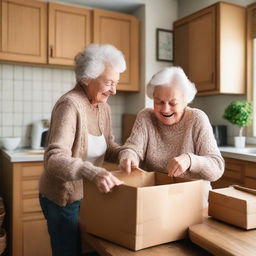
(96, 149)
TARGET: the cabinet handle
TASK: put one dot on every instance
(212, 78)
(51, 51)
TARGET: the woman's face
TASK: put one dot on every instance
(99, 89)
(169, 104)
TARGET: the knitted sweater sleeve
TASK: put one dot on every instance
(113, 148)
(58, 159)
(207, 161)
(135, 146)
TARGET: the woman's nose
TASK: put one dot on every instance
(113, 90)
(165, 107)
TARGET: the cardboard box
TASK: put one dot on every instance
(149, 209)
(233, 206)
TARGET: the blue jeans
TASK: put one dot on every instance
(63, 227)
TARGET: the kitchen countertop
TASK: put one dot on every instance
(247, 154)
(24, 155)
(30, 155)
(220, 238)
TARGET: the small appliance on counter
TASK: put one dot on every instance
(39, 133)
(220, 134)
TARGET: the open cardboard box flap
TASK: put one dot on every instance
(140, 178)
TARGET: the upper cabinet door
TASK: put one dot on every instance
(122, 31)
(202, 60)
(69, 32)
(194, 48)
(23, 31)
(210, 46)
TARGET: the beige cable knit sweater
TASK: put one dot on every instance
(66, 151)
(154, 144)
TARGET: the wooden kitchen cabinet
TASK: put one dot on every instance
(23, 31)
(69, 31)
(238, 172)
(26, 38)
(210, 46)
(26, 225)
(122, 31)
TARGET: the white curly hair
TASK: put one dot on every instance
(172, 76)
(91, 62)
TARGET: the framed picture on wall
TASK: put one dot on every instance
(164, 42)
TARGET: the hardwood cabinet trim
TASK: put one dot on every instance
(132, 60)
(52, 26)
(31, 170)
(5, 54)
(218, 81)
(19, 183)
(237, 172)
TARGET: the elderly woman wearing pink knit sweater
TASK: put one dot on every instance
(79, 138)
(173, 138)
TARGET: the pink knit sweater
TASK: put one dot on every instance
(66, 151)
(153, 144)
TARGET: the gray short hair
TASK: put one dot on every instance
(172, 76)
(91, 62)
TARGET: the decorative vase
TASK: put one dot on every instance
(239, 141)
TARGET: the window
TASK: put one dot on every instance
(251, 68)
(254, 85)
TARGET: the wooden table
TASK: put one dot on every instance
(223, 239)
(179, 248)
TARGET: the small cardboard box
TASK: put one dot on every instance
(233, 206)
(149, 209)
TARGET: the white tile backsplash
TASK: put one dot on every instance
(27, 73)
(7, 119)
(28, 93)
(7, 106)
(7, 71)
(7, 131)
(18, 72)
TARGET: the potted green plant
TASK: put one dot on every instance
(239, 113)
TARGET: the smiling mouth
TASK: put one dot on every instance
(167, 115)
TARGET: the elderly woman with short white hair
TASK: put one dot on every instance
(173, 138)
(79, 138)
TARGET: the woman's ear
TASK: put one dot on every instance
(86, 81)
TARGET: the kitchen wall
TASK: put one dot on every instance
(28, 93)
(153, 14)
(214, 106)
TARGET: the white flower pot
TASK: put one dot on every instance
(239, 141)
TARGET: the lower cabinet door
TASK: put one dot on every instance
(36, 240)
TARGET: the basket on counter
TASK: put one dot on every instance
(2, 231)
(2, 211)
(2, 240)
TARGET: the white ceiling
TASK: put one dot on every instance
(126, 6)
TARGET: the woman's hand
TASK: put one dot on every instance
(178, 165)
(105, 181)
(126, 165)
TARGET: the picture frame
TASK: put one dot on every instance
(164, 45)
